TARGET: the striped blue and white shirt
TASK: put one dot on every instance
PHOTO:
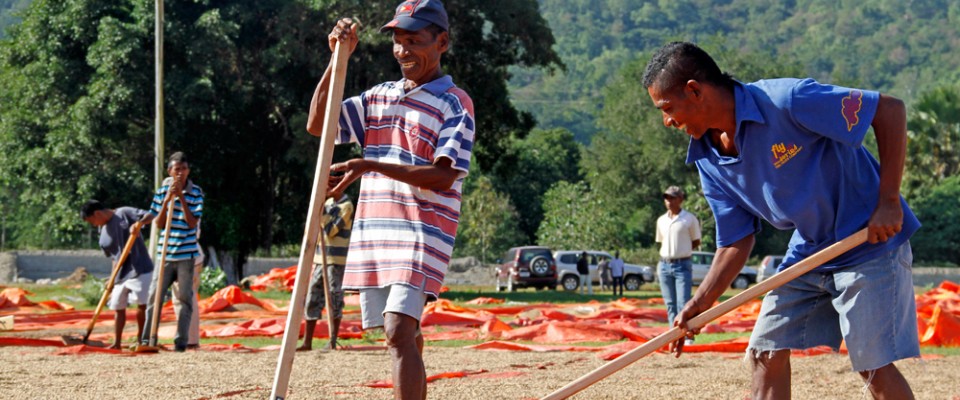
(183, 243)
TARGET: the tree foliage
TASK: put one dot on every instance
(903, 48)
(530, 166)
(933, 148)
(489, 223)
(938, 212)
(76, 104)
(577, 218)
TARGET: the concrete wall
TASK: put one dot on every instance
(54, 264)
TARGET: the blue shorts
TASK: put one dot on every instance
(396, 298)
(870, 306)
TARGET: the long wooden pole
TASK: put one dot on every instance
(717, 311)
(158, 163)
(158, 298)
(312, 229)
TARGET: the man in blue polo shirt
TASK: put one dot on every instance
(790, 152)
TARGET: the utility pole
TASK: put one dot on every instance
(158, 162)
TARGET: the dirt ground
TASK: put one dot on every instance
(35, 373)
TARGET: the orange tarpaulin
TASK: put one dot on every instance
(230, 296)
(17, 298)
(280, 278)
(938, 315)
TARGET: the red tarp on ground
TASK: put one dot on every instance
(938, 319)
(17, 298)
(938, 315)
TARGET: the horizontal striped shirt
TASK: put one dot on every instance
(336, 223)
(404, 234)
(183, 243)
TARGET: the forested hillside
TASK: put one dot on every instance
(901, 47)
(8, 9)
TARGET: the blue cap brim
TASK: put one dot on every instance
(406, 23)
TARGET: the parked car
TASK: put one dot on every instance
(526, 266)
(701, 264)
(633, 275)
(768, 267)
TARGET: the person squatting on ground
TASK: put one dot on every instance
(181, 240)
(616, 273)
(417, 137)
(678, 231)
(583, 269)
(336, 223)
(790, 151)
(132, 281)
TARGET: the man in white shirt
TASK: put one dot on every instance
(678, 232)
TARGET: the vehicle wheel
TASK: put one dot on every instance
(510, 286)
(499, 287)
(540, 266)
(570, 282)
(741, 282)
(632, 282)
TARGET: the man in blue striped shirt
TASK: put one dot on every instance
(181, 241)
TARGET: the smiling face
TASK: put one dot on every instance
(418, 53)
(682, 108)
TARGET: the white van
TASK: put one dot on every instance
(569, 279)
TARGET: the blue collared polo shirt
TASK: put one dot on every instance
(801, 166)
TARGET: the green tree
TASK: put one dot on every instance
(76, 104)
(488, 223)
(577, 218)
(938, 211)
(933, 147)
(530, 166)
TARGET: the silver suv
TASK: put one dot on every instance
(569, 279)
(701, 265)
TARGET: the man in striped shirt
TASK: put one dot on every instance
(181, 240)
(417, 136)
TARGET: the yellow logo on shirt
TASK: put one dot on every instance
(782, 154)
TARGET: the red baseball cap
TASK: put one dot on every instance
(414, 15)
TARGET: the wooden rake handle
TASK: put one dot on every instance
(717, 311)
(113, 275)
(158, 270)
(312, 228)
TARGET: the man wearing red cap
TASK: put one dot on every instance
(417, 137)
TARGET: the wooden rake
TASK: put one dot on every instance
(312, 229)
(152, 346)
(717, 311)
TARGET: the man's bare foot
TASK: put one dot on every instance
(115, 346)
(305, 347)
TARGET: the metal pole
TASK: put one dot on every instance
(158, 164)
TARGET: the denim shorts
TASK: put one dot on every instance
(871, 306)
(396, 298)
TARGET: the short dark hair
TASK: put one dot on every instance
(90, 207)
(678, 62)
(178, 157)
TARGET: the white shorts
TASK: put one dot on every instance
(396, 298)
(133, 288)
